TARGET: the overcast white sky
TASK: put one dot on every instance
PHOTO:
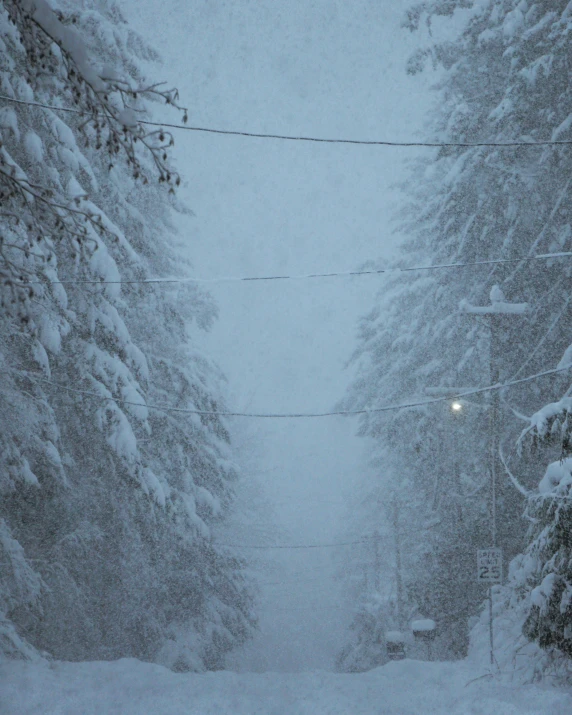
(329, 68)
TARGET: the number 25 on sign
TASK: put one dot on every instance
(489, 565)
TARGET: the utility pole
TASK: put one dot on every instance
(494, 312)
(494, 373)
(377, 562)
(398, 577)
(494, 402)
(457, 411)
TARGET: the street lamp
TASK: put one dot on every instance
(457, 406)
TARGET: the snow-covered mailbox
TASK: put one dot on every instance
(424, 630)
(395, 644)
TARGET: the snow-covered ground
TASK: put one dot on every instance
(129, 687)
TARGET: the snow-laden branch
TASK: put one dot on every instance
(109, 101)
(514, 481)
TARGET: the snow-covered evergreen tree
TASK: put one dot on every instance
(541, 579)
(504, 78)
(533, 610)
(366, 648)
(108, 506)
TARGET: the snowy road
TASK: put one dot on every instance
(129, 687)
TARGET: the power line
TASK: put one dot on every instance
(296, 415)
(292, 546)
(338, 274)
(296, 582)
(294, 595)
(321, 140)
(332, 607)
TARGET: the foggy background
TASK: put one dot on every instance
(262, 207)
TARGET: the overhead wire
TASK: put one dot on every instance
(295, 595)
(297, 582)
(309, 607)
(293, 415)
(294, 546)
(308, 276)
(301, 138)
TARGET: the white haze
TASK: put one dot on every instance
(330, 69)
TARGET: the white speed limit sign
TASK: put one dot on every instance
(489, 565)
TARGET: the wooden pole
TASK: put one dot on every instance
(377, 562)
(398, 563)
(494, 377)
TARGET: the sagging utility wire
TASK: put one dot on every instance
(340, 274)
(321, 140)
(291, 415)
(293, 546)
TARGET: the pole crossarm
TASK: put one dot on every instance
(496, 308)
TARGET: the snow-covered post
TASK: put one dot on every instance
(498, 309)
(395, 644)
(424, 630)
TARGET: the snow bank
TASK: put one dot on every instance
(129, 687)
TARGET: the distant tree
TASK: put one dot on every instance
(366, 647)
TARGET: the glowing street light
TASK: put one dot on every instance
(457, 406)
